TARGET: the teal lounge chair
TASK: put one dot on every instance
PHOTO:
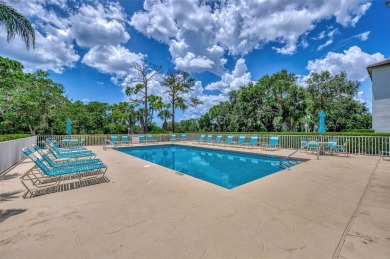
(114, 140)
(125, 140)
(341, 148)
(240, 141)
(73, 154)
(68, 148)
(303, 144)
(142, 139)
(150, 139)
(64, 162)
(173, 137)
(42, 177)
(201, 139)
(273, 143)
(183, 137)
(217, 141)
(252, 142)
(209, 139)
(228, 140)
(69, 151)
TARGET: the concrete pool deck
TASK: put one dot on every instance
(335, 207)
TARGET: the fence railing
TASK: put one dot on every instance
(365, 145)
(11, 151)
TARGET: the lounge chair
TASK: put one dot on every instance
(273, 143)
(114, 140)
(125, 140)
(217, 141)
(183, 138)
(200, 140)
(150, 139)
(240, 141)
(46, 177)
(69, 151)
(68, 148)
(59, 163)
(341, 148)
(228, 140)
(209, 139)
(173, 138)
(252, 142)
(72, 154)
(142, 139)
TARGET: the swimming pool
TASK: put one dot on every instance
(224, 168)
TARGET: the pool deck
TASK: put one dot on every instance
(334, 207)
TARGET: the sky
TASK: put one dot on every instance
(89, 46)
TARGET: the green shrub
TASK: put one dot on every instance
(8, 137)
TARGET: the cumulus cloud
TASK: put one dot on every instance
(111, 59)
(99, 25)
(363, 36)
(233, 81)
(353, 61)
(236, 27)
(50, 53)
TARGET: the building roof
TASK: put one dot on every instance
(385, 62)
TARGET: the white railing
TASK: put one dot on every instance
(11, 151)
(365, 145)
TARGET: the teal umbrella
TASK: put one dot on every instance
(68, 127)
(321, 128)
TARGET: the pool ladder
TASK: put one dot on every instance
(105, 141)
(290, 162)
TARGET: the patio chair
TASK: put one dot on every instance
(228, 140)
(67, 148)
(183, 138)
(114, 140)
(173, 138)
(200, 140)
(74, 154)
(209, 139)
(151, 140)
(217, 141)
(58, 163)
(303, 144)
(125, 140)
(252, 142)
(273, 143)
(341, 148)
(142, 139)
(42, 179)
(240, 141)
(331, 144)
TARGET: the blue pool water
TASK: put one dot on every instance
(224, 168)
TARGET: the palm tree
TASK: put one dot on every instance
(15, 23)
(164, 115)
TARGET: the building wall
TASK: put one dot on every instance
(381, 99)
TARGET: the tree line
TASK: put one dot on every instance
(33, 103)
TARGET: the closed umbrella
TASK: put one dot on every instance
(321, 128)
(68, 127)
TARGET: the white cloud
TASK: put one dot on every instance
(327, 43)
(112, 59)
(237, 27)
(233, 81)
(99, 25)
(353, 61)
(363, 36)
(50, 53)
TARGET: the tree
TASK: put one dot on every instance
(387, 3)
(143, 74)
(15, 23)
(125, 113)
(177, 84)
(164, 114)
